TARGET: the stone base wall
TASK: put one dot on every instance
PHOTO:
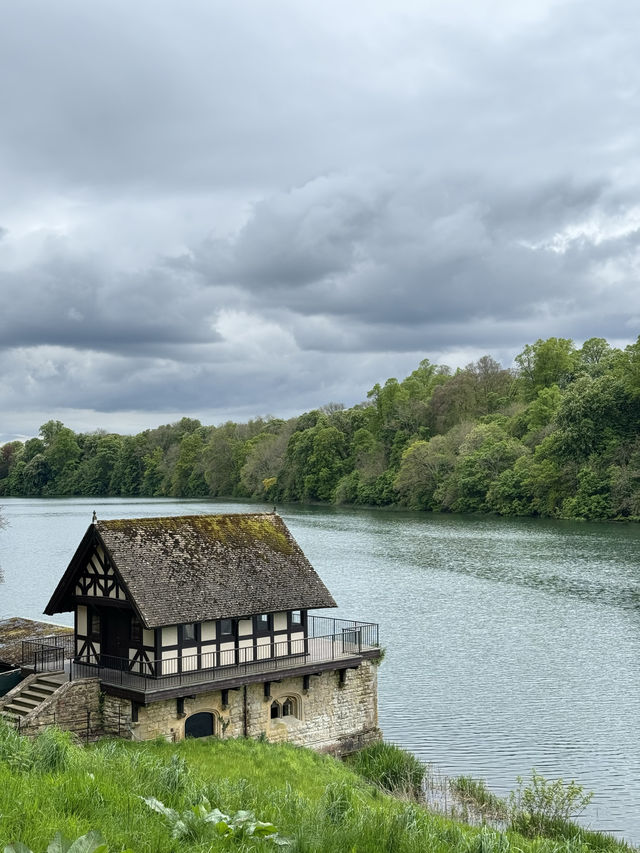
(330, 716)
(74, 707)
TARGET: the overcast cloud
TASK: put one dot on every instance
(226, 210)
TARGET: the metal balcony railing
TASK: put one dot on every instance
(348, 639)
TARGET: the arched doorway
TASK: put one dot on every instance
(199, 725)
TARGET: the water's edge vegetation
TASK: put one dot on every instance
(557, 436)
(240, 794)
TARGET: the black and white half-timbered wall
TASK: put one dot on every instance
(200, 625)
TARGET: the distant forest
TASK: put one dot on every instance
(556, 436)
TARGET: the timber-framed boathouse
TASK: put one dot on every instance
(200, 625)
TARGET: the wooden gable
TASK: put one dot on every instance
(92, 576)
(99, 578)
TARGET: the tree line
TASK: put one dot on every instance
(555, 436)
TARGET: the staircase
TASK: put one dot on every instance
(32, 695)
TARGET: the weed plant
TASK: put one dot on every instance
(475, 793)
(394, 769)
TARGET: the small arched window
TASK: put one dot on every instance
(285, 707)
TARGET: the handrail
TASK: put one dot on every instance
(260, 657)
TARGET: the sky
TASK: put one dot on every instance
(230, 210)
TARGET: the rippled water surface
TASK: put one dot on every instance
(511, 644)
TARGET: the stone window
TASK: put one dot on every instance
(285, 707)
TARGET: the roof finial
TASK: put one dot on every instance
(274, 511)
(95, 517)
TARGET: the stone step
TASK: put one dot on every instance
(43, 689)
(34, 695)
(26, 701)
(53, 679)
(16, 710)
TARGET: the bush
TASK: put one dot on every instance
(542, 804)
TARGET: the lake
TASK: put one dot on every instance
(510, 643)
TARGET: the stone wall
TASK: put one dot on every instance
(330, 716)
(74, 707)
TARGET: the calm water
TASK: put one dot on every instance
(511, 644)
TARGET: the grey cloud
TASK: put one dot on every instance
(199, 200)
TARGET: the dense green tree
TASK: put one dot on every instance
(559, 440)
(546, 363)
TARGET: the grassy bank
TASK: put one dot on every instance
(316, 803)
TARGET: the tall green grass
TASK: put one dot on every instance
(51, 785)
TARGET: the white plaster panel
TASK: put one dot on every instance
(280, 622)
(208, 657)
(169, 664)
(263, 641)
(82, 619)
(227, 647)
(170, 636)
(148, 637)
(189, 662)
(245, 627)
(208, 631)
(299, 635)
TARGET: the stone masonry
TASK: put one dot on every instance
(329, 717)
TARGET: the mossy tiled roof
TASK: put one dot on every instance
(198, 567)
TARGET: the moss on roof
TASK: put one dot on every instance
(235, 531)
(191, 568)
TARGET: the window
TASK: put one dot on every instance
(136, 630)
(287, 707)
(189, 633)
(226, 627)
(263, 623)
(94, 623)
(296, 618)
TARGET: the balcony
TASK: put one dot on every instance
(330, 644)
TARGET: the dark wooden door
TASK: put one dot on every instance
(199, 725)
(115, 635)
